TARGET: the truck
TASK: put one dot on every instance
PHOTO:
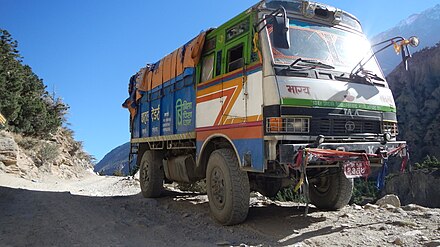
(288, 94)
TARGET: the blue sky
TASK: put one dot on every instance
(86, 50)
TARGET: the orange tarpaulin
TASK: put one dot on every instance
(179, 61)
(145, 79)
(172, 65)
(157, 75)
(167, 68)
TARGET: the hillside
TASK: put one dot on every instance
(115, 160)
(33, 140)
(417, 94)
(422, 25)
(36, 159)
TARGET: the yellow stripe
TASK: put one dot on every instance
(2, 119)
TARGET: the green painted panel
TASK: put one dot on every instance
(335, 104)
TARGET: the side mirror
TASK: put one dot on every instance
(281, 33)
(414, 41)
(400, 45)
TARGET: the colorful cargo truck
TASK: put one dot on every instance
(286, 94)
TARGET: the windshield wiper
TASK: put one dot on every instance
(313, 64)
(366, 75)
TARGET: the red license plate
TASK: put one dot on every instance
(356, 169)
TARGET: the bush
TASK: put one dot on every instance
(48, 153)
(364, 191)
(199, 186)
(118, 173)
(288, 195)
(428, 163)
(25, 142)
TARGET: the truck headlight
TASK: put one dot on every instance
(293, 125)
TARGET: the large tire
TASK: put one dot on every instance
(151, 174)
(227, 187)
(331, 192)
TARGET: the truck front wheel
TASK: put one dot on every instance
(227, 187)
(151, 174)
(331, 192)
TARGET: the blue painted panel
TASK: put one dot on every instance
(253, 146)
(145, 116)
(185, 104)
(155, 111)
(167, 108)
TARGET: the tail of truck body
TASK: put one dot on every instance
(230, 91)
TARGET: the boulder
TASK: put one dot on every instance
(8, 149)
(392, 200)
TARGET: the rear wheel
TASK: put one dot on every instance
(151, 174)
(227, 187)
(331, 192)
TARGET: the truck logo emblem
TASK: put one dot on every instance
(350, 126)
(351, 113)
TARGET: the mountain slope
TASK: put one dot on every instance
(424, 25)
(115, 160)
(417, 94)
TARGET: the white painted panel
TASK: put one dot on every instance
(207, 112)
(330, 90)
(255, 94)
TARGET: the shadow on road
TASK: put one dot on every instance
(61, 219)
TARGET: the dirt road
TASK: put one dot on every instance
(109, 211)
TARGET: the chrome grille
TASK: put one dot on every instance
(330, 126)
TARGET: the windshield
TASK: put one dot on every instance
(341, 49)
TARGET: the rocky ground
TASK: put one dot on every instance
(110, 211)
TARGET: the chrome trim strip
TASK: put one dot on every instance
(176, 137)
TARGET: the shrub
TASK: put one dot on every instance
(118, 173)
(199, 186)
(364, 191)
(288, 195)
(428, 163)
(48, 153)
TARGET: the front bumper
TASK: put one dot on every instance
(287, 152)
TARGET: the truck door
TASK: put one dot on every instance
(234, 105)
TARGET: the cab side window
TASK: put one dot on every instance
(235, 58)
(208, 60)
(207, 68)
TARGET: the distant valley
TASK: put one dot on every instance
(425, 25)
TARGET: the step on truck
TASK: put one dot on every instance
(286, 94)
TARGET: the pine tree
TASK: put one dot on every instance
(10, 73)
(24, 101)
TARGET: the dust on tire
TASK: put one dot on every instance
(151, 174)
(230, 204)
(332, 192)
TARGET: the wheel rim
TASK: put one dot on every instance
(218, 188)
(323, 185)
